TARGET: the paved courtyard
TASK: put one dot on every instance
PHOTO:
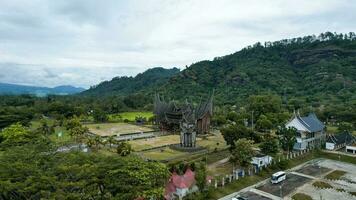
(300, 180)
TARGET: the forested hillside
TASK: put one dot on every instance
(127, 85)
(312, 69)
(309, 67)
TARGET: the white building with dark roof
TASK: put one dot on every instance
(310, 131)
(337, 141)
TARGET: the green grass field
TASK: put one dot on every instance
(139, 145)
(163, 154)
(130, 116)
(212, 142)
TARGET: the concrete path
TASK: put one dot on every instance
(265, 194)
(220, 162)
(304, 175)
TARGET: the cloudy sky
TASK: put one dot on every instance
(83, 42)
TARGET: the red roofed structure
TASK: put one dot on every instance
(180, 185)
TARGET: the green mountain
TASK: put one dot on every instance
(151, 78)
(314, 68)
(15, 89)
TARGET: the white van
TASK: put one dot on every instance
(278, 177)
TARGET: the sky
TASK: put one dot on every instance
(84, 42)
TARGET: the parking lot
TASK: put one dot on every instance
(286, 187)
(300, 180)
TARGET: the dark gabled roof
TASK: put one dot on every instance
(340, 138)
(204, 108)
(172, 113)
(312, 123)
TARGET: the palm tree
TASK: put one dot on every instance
(97, 141)
(124, 148)
(111, 140)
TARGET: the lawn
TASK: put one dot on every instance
(139, 145)
(322, 185)
(130, 116)
(212, 142)
(301, 196)
(62, 139)
(335, 175)
(162, 154)
(108, 129)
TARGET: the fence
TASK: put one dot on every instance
(250, 171)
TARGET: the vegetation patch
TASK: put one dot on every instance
(353, 193)
(335, 175)
(322, 185)
(301, 196)
(130, 116)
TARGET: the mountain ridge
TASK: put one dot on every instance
(18, 89)
(309, 67)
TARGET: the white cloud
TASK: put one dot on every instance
(83, 42)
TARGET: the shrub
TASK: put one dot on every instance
(283, 164)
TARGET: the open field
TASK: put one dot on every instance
(212, 142)
(139, 145)
(163, 154)
(108, 129)
(130, 116)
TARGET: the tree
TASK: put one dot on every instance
(345, 126)
(200, 176)
(100, 116)
(287, 137)
(269, 145)
(263, 123)
(76, 129)
(97, 141)
(243, 152)
(15, 134)
(232, 133)
(45, 129)
(111, 140)
(123, 148)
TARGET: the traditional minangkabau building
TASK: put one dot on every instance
(310, 131)
(188, 119)
(169, 115)
(338, 141)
